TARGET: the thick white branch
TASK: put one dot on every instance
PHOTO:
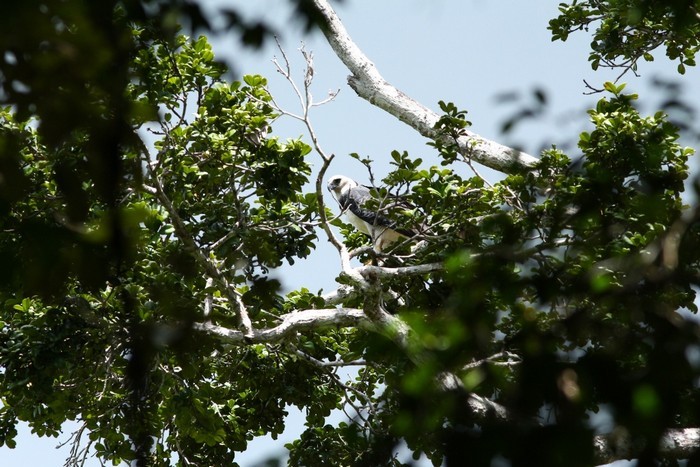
(369, 84)
(385, 272)
(291, 323)
(339, 295)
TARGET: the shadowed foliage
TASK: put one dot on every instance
(143, 197)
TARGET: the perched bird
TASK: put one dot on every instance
(352, 198)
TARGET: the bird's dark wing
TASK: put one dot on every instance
(355, 202)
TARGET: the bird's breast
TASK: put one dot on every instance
(361, 225)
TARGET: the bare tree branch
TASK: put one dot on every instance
(291, 323)
(306, 102)
(385, 272)
(371, 86)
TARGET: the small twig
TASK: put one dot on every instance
(336, 378)
(223, 240)
(468, 161)
(287, 73)
(331, 96)
(593, 90)
(78, 455)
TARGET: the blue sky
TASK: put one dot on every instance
(465, 51)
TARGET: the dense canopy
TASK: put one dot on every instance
(143, 205)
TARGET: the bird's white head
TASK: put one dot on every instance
(340, 185)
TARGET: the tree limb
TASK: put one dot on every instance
(343, 317)
(371, 86)
(385, 272)
(338, 296)
(291, 323)
(677, 443)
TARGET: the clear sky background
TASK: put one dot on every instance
(470, 52)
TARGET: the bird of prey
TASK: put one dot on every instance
(352, 198)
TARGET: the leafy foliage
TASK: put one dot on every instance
(627, 31)
(155, 214)
(85, 330)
